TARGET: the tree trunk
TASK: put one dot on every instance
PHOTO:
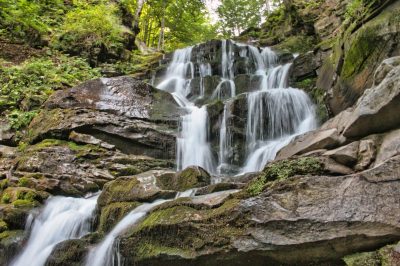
(160, 45)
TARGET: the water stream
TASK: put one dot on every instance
(61, 219)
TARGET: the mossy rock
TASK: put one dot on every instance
(296, 44)
(139, 188)
(3, 226)
(113, 213)
(211, 228)
(281, 170)
(191, 177)
(69, 253)
(383, 256)
(10, 245)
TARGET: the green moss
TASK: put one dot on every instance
(6, 198)
(297, 44)
(113, 213)
(152, 250)
(21, 203)
(384, 256)
(284, 169)
(3, 184)
(23, 182)
(3, 226)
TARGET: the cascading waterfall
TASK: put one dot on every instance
(192, 144)
(226, 84)
(275, 112)
(62, 218)
(225, 140)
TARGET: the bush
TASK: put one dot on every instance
(30, 20)
(91, 31)
(25, 87)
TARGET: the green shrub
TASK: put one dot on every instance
(25, 87)
(90, 30)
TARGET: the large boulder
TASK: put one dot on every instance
(117, 111)
(301, 220)
(188, 178)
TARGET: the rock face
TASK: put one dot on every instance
(116, 110)
(293, 215)
(359, 51)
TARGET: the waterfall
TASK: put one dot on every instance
(192, 143)
(275, 112)
(62, 218)
(225, 140)
(226, 84)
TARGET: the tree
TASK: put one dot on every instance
(238, 15)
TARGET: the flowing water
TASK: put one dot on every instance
(107, 253)
(61, 219)
(276, 113)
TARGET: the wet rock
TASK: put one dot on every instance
(10, 244)
(117, 111)
(68, 253)
(218, 187)
(6, 133)
(190, 177)
(279, 226)
(313, 140)
(305, 66)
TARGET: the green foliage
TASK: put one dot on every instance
(185, 23)
(284, 169)
(238, 15)
(90, 27)
(25, 87)
(30, 20)
(3, 184)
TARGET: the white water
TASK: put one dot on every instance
(104, 254)
(275, 115)
(62, 218)
(192, 143)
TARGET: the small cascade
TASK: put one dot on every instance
(107, 252)
(275, 116)
(205, 70)
(192, 144)
(226, 84)
(225, 140)
(104, 253)
(62, 218)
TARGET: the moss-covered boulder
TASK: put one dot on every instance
(10, 245)
(190, 177)
(112, 213)
(140, 188)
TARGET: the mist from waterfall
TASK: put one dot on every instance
(275, 112)
(61, 219)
